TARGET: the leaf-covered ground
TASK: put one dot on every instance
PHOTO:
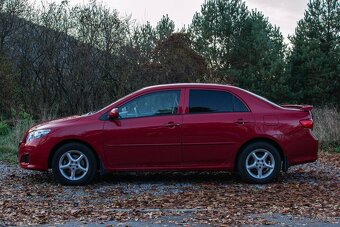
(308, 193)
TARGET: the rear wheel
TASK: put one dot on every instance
(259, 163)
(74, 164)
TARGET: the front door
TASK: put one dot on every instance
(147, 133)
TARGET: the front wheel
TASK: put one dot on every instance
(259, 163)
(74, 164)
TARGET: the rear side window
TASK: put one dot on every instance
(208, 101)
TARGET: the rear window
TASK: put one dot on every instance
(208, 101)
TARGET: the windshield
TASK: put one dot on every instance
(89, 113)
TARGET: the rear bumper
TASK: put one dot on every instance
(302, 149)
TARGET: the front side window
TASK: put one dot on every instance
(154, 104)
(208, 101)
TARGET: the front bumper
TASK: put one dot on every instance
(34, 156)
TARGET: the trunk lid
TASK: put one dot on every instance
(306, 108)
(307, 120)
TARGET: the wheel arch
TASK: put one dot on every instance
(260, 139)
(61, 143)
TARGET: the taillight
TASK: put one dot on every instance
(307, 123)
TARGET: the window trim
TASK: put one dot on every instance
(179, 109)
(187, 103)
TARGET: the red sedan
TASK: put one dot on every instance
(175, 127)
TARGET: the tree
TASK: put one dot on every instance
(137, 63)
(257, 59)
(145, 37)
(9, 11)
(66, 58)
(241, 47)
(8, 90)
(174, 61)
(314, 61)
(216, 28)
(165, 27)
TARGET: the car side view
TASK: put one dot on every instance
(176, 127)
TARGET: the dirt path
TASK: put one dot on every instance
(307, 194)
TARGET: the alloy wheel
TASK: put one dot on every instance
(260, 163)
(73, 165)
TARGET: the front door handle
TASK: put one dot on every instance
(240, 121)
(172, 124)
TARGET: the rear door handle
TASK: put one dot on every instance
(240, 121)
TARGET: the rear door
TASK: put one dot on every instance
(215, 123)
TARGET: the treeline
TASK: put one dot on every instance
(61, 60)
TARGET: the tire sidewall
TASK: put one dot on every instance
(243, 157)
(88, 178)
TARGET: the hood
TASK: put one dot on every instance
(57, 123)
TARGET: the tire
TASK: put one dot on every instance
(74, 164)
(259, 163)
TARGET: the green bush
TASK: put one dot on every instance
(337, 149)
(4, 128)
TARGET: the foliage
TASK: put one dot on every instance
(175, 62)
(4, 128)
(258, 59)
(8, 92)
(145, 37)
(242, 47)
(314, 61)
(165, 28)
(62, 60)
(216, 29)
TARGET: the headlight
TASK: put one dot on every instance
(37, 134)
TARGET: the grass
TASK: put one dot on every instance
(326, 129)
(8, 154)
(9, 141)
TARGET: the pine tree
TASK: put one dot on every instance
(144, 39)
(314, 62)
(257, 60)
(241, 46)
(216, 28)
(165, 27)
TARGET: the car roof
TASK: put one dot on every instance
(186, 85)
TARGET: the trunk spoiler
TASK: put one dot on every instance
(305, 108)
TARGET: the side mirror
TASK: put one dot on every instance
(114, 114)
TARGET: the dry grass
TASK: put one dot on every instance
(327, 127)
(9, 142)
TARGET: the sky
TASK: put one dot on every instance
(282, 13)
